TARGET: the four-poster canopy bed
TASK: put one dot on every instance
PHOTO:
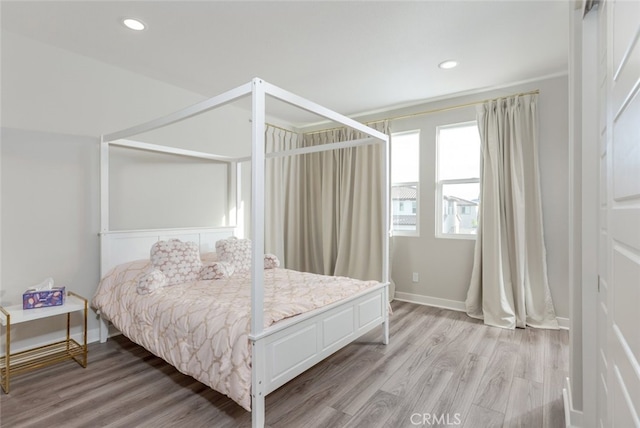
(278, 346)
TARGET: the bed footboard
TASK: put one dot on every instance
(292, 347)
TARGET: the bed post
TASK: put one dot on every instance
(104, 221)
(240, 226)
(104, 199)
(104, 329)
(257, 249)
(385, 233)
(232, 196)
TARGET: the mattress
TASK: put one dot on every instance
(202, 327)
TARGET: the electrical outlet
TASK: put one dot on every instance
(415, 277)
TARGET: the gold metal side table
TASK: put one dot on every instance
(42, 356)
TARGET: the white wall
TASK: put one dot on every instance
(55, 105)
(444, 265)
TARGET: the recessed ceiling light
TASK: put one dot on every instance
(445, 65)
(134, 24)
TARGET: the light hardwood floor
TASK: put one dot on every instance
(441, 367)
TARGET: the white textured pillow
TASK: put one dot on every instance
(216, 270)
(151, 281)
(236, 252)
(271, 261)
(178, 261)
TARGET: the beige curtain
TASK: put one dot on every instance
(278, 188)
(509, 286)
(339, 221)
(325, 209)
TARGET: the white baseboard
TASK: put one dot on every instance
(454, 305)
(572, 417)
(93, 335)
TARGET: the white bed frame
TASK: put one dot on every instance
(291, 346)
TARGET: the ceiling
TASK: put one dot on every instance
(354, 57)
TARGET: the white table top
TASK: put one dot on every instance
(18, 315)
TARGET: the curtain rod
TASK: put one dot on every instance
(421, 113)
(279, 127)
(438, 110)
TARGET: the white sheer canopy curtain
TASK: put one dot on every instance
(509, 286)
(327, 206)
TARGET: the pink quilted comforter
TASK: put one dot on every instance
(202, 327)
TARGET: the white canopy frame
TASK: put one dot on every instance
(258, 90)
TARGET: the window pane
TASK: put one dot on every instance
(405, 157)
(403, 207)
(458, 152)
(460, 208)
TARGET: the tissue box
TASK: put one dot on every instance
(43, 298)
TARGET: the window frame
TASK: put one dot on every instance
(441, 183)
(396, 232)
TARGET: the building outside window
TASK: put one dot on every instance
(458, 180)
(405, 177)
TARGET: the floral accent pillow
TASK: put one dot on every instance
(179, 261)
(151, 281)
(271, 261)
(236, 252)
(216, 270)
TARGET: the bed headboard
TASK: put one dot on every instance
(118, 247)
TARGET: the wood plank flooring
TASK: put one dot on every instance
(441, 368)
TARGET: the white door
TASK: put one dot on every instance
(618, 313)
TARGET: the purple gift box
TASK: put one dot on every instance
(43, 298)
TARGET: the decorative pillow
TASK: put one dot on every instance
(216, 270)
(271, 261)
(151, 281)
(236, 252)
(178, 261)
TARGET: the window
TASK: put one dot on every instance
(458, 180)
(405, 175)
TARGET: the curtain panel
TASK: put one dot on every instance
(328, 206)
(278, 188)
(509, 286)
